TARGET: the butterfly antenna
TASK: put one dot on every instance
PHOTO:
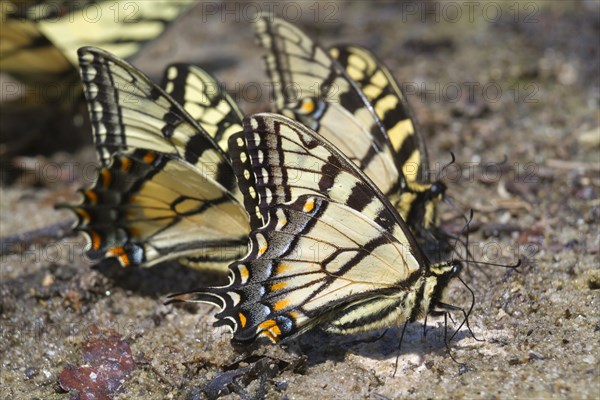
(443, 170)
(399, 347)
(457, 239)
(510, 266)
(498, 163)
(465, 230)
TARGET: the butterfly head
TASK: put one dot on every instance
(437, 190)
(443, 274)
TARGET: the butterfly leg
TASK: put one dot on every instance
(450, 307)
(399, 347)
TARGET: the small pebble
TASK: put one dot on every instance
(30, 372)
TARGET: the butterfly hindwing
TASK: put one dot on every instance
(147, 206)
(314, 259)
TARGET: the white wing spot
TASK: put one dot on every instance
(234, 297)
(265, 175)
(262, 244)
(281, 220)
(172, 73)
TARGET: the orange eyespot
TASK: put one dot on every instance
(278, 286)
(281, 304)
(149, 158)
(120, 254)
(106, 177)
(91, 196)
(243, 320)
(125, 164)
(83, 214)
(309, 205)
(308, 106)
(262, 249)
(244, 273)
(95, 240)
(270, 329)
(281, 268)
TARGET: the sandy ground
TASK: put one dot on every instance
(535, 98)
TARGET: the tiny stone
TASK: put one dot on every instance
(48, 280)
(514, 361)
(534, 355)
(589, 359)
(30, 372)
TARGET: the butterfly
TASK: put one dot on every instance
(40, 40)
(333, 251)
(166, 189)
(351, 99)
(38, 47)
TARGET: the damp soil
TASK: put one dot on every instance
(515, 97)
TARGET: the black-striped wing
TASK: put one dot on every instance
(165, 189)
(202, 96)
(26, 53)
(390, 105)
(418, 202)
(40, 40)
(280, 165)
(128, 111)
(147, 207)
(353, 265)
(310, 87)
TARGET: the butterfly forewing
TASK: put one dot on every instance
(128, 111)
(244, 172)
(314, 89)
(417, 201)
(287, 160)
